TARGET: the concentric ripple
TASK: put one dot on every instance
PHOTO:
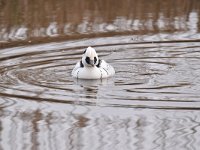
(149, 74)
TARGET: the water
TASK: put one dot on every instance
(151, 103)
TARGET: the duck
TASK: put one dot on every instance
(91, 67)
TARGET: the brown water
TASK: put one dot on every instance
(153, 101)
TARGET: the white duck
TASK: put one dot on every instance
(91, 67)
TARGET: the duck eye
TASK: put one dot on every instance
(95, 60)
(87, 59)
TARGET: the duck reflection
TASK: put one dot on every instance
(91, 83)
(90, 88)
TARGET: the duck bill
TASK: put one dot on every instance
(92, 62)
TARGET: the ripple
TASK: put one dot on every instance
(146, 73)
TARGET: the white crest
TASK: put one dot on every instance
(90, 58)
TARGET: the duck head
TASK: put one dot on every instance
(90, 58)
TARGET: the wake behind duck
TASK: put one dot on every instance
(91, 67)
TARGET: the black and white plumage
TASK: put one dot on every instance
(91, 67)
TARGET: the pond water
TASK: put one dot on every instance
(153, 101)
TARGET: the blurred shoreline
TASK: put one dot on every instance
(40, 21)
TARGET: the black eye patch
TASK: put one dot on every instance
(87, 59)
(95, 60)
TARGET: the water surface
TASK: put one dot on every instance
(152, 102)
